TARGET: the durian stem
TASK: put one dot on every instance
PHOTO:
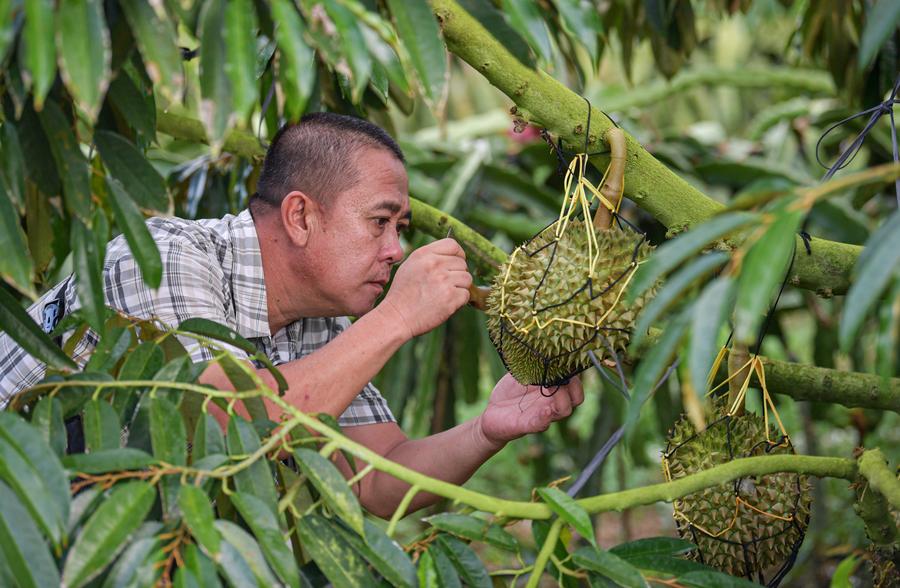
(478, 296)
(543, 556)
(875, 513)
(873, 467)
(614, 183)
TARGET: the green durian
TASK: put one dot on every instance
(549, 281)
(756, 542)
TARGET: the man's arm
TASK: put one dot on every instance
(454, 455)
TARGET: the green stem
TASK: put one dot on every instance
(401, 509)
(543, 556)
(873, 467)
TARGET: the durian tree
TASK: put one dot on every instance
(114, 111)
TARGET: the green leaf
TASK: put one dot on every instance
(214, 330)
(156, 40)
(15, 264)
(114, 343)
(710, 311)
(198, 515)
(215, 85)
(654, 363)
(493, 20)
(31, 468)
(267, 529)
(569, 510)
(240, 55)
(296, 61)
(706, 579)
(665, 564)
(652, 547)
(130, 220)
(131, 569)
(88, 262)
(139, 178)
(418, 31)
(885, 347)
(525, 17)
(474, 529)
(39, 47)
(877, 266)
(22, 546)
(201, 567)
(426, 572)
(101, 426)
(169, 442)
(335, 558)
(12, 165)
(70, 161)
(132, 104)
(22, 328)
(145, 360)
(48, 420)
(331, 486)
(83, 505)
(470, 568)
(256, 480)
(672, 253)
(882, 19)
(107, 531)
(447, 575)
(84, 52)
(208, 438)
(609, 565)
(845, 569)
(8, 25)
(581, 22)
(674, 290)
(109, 460)
(384, 554)
(242, 549)
(40, 163)
(353, 47)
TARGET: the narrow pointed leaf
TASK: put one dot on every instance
(240, 543)
(337, 560)
(882, 19)
(240, 56)
(675, 290)
(201, 567)
(331, 486)
(447, 575)
(296, 61)
(130, 220)
(709, 313)
(383, 553)
(473, 528)
(672, 253)
(107, 531)
(418, 30)
(48, 420)
(40, 47)
(156, 40)
(470, 568)
(12, 165)
(878, 264)
(21, 545)
(84, 52)
(426, 573)
(705, 578)
(169, 441)
(353, 47)
(215, 85)
(108, 460)
(145, 360)
(609, 565)
(267, 529)
(15, 264)
(22, 328)
(101, 426)
(126, 164)
(208, 438)
(70, 161)
(136, 108)
(131, 568)
(525, 17)
(569, 510)
(8, 25)
(762, 273)
(214, 330)
(88, 262)
(652, 546)
(198, 515)
(257, 479)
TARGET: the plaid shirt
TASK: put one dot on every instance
(211, 269)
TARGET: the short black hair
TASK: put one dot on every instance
(317, 157)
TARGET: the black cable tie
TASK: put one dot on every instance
(806, 241)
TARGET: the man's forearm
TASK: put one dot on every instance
(452, 456)
(328, 379)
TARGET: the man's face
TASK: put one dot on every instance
(358, 240)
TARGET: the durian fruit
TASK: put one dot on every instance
(549, 281)
(756, 542)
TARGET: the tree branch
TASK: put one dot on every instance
(543, 100)
(873, 467)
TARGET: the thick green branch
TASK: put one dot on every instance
(650, 184)
(873, 467)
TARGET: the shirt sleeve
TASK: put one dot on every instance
(192, 286)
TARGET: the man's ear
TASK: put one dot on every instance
(299, 215)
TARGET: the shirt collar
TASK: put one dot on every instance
(248, 284)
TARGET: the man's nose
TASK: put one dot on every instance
(393, 252)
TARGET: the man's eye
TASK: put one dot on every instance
(382, 222)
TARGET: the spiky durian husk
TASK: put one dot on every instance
(756, 542)
(560, 275)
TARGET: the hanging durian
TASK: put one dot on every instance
(559, 291)
(749, 527)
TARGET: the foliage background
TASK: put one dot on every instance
(731, 96)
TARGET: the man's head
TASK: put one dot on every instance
(331, 199)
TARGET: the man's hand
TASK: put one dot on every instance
(515, 410)
(429, 286)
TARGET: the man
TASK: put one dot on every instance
(316, 245)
